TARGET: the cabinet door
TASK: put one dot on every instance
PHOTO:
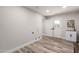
(68, 36)
(71, 36)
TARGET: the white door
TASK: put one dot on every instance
(47, 28)
(57, 29)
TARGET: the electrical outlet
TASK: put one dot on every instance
(39, 37)
(32, 32)
(35, 38)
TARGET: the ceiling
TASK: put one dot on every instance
(53, 10)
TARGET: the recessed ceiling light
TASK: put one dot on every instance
(64, 6)
(47, 11)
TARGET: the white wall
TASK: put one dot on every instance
(63, 25)
(17, 25)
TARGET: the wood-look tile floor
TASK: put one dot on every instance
(48, 45)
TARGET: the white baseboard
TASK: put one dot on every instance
(26, 44)
(54, 36)
(48, 35)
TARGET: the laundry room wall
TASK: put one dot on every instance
(18, 26)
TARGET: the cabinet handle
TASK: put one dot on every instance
(70, 35)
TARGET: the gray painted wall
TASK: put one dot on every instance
(17, 25)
